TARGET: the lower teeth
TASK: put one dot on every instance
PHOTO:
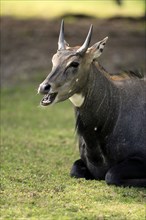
(46, 100)
(49, 98)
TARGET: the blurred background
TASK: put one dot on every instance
(29, 34)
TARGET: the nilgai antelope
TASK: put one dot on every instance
(110, 113)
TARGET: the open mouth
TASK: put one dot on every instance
(48, 99)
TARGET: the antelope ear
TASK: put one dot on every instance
(66, 44)
(96, 49)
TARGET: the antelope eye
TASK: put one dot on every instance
(74, 64)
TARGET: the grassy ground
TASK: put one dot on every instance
(51, 9)
(37, 150)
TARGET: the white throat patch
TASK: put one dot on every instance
(77, 99)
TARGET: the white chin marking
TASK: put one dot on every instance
(77, 99)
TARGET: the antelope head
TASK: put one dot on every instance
(70, 69)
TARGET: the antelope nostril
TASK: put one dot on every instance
(44, 88)
(47, 87)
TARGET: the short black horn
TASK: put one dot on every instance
(85, 45)
(61, 44)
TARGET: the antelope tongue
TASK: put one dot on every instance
(48, 99)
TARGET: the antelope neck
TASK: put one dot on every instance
(100, 100)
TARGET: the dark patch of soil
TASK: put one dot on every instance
(27, 46)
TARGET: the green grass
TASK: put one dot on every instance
(51, 9)
(38, 148)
